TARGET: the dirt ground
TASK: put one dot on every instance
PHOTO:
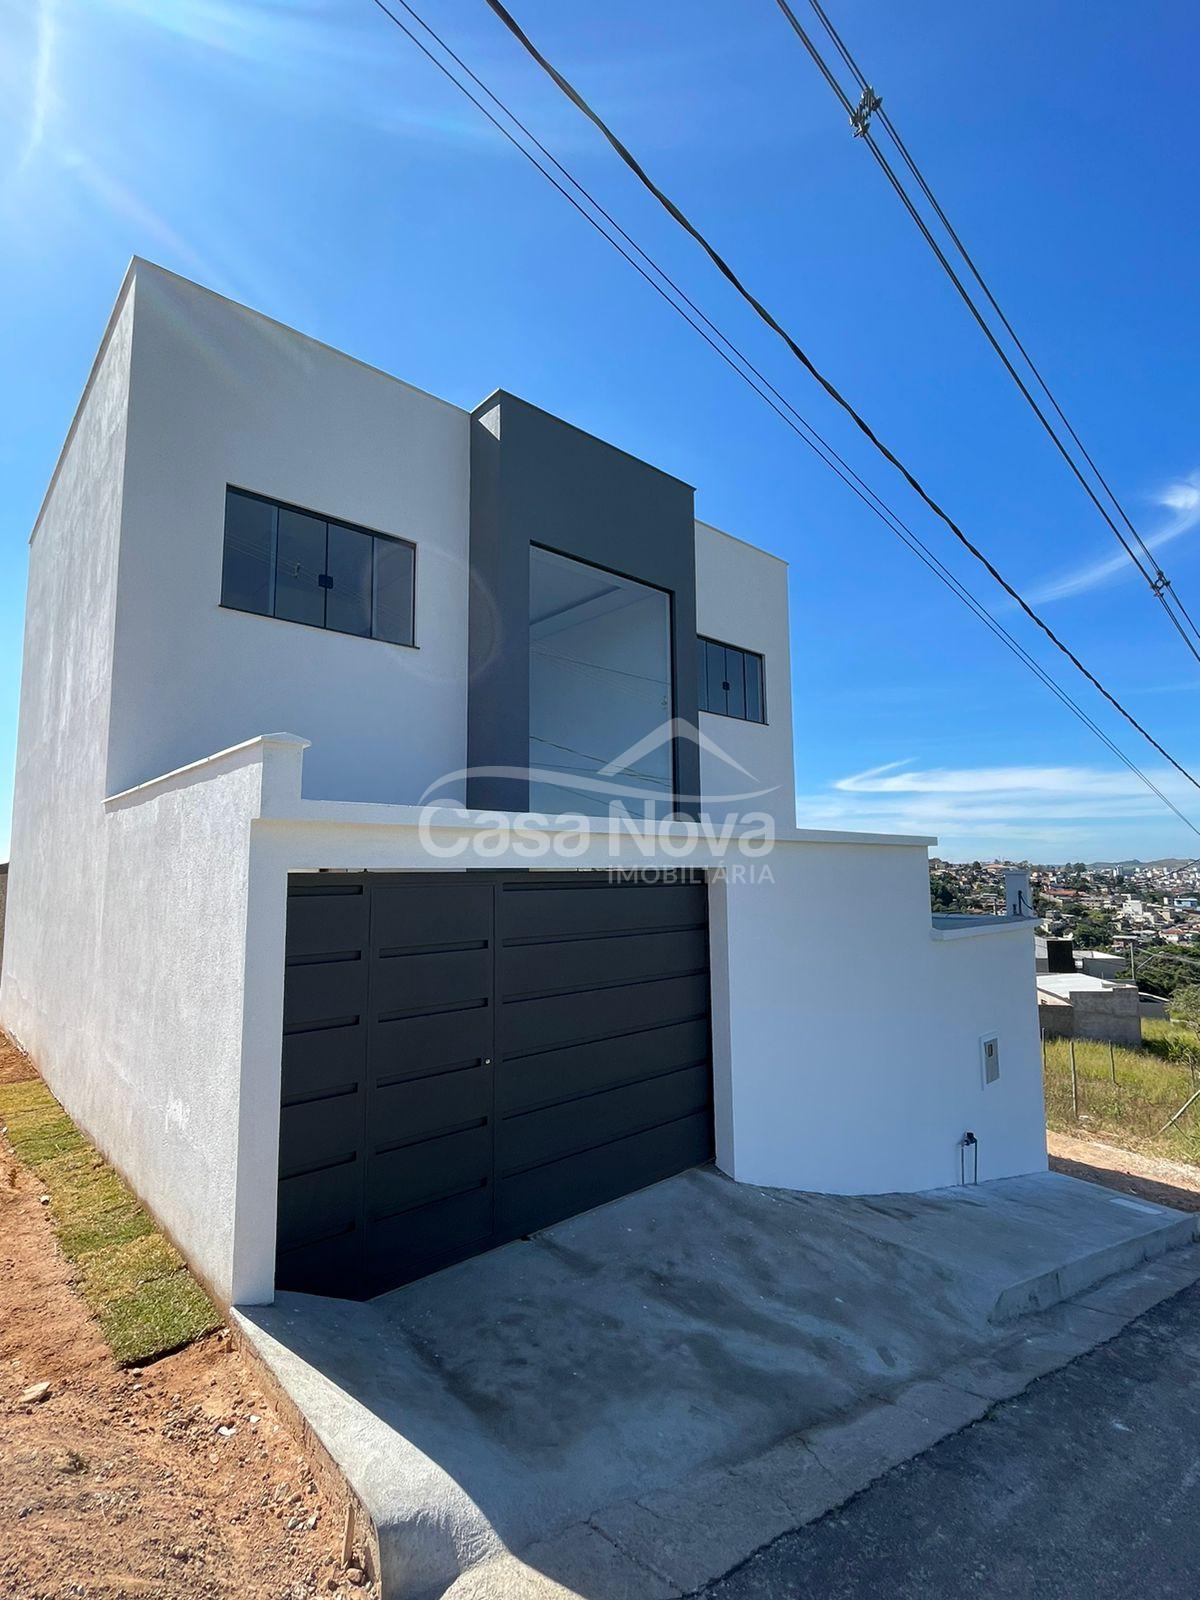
(1169, 1183)
(179, 1480)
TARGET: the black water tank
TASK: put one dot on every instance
(1060, 955)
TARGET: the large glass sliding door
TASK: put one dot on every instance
(600, 690)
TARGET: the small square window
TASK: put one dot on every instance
(730, 681)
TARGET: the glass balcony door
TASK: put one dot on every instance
(600, 690)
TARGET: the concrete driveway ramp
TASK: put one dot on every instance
(630, 1402)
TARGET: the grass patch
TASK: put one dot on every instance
(1128, 1095)
(134, 1281)
(161, 1315)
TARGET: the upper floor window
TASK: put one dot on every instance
(284, 562)
(731, 681)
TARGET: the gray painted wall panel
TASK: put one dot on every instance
(537, 480)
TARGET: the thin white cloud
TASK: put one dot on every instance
(1181, 500)
(1043, 812)
(42, 95)
(1077, 782)
(1185, 686)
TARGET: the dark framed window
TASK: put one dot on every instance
(600, 687)
(283, 562)
(731, 681)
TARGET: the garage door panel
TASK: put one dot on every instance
(419, 1107)
(327, 921)
(526, 1082)
(324, 991)
(614, 958)
(417, 916)
(532, 1138)
(545, 1195)
(321, 1132)
(604, 908)
(318, 1205)
(321, 1061)
(325, 1267)
(414, 1046)
(503, 1053)
(562, 1019)
(415, 1173)
(415, 983)
(405, 1246)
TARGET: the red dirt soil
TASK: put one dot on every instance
(1150, 1177)
(179, 1481)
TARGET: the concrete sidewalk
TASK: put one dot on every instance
(1087, 1484)
(631, 1402)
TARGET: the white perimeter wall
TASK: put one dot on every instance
(742, 599)
(221, 395)
(840, 1065)
(125, 932)
(833, 1070)
(854, 1042)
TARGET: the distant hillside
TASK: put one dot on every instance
(1128, 866)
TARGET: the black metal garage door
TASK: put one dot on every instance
(468, 1057)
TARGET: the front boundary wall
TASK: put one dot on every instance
(829, 1074)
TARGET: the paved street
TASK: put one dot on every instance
(1088, 1484)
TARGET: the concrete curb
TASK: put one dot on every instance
(1073, 1278)
(669, 1545)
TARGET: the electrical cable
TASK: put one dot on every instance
(1157, 581)
(769, 394)
(830, 388)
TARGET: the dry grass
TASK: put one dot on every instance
(134, 1281)
(1128, 1095)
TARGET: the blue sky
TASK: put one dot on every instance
(300, 156)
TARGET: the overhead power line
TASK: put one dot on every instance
(870, 109)
(750, 374)
(830, 388)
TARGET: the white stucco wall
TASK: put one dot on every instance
(162, 1093)
(221, 395)
(854, 1029)
(49, 988)
(742, 599)
(125, 928)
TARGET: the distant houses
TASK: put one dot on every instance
(1080, 996)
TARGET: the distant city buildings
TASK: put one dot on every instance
(1119, 936)
(1102, 905)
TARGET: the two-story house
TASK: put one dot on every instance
(404, 850)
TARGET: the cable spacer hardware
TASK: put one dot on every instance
(860, 117)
